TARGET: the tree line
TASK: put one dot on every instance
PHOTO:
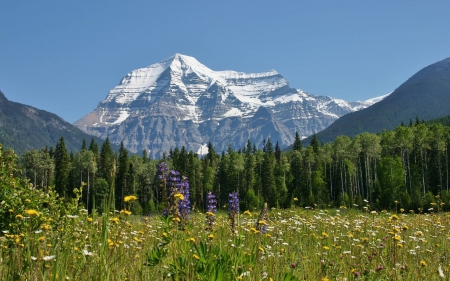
(403, 168)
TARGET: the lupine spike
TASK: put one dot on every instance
(176, 195)
(233, 210)
(211, 209)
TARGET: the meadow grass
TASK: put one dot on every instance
(299, 244)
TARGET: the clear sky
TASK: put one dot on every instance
(65, 56)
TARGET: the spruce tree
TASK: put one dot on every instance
(315, 143)
(297, 142)
(106, 162)
(83, 144)
(277, 152)
(62, 168)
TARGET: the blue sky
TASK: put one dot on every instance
(65, 56)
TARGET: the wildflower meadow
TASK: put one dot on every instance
(47, 238)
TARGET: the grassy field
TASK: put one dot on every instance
(299, 244)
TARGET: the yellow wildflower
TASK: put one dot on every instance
(195, 256)
(45, 226)
(211, 236)
(210, 214)
(19, 216)
(326, 248)
(247, 213)
(27, 200)
(324, 235)
(129, 198)
(176, 219)
(192, 239)
(394, 217)
(115, 220)
(89, 219)
(254, 230)
(32, 213)
(179, 196)
(423, 263)
(262, 222)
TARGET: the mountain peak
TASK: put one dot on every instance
(183, 60)
(179, 101)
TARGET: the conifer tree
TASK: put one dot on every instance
(297, 142)
(315, 143)
(106, 162)
(62, 168)
(268, 178)
(83, 144)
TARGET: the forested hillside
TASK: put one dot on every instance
(407, 167)
(426, 95)
(24, 127)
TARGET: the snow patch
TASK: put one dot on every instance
(376, 99)
(203, 150)
(232, 112)
(123, 115)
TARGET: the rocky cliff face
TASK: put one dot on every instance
(180, 102)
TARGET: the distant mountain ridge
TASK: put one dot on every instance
(180, 102)
(425, 95)
(24, 127)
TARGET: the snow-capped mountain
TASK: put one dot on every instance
(181, 102)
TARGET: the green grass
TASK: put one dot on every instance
(299, 245)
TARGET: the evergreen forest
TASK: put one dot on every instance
(406, 168)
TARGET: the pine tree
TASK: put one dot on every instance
(106, 162)
(315, 143)
(107, 168)
(62, 168)
(83, 144)
(268, 178)
(297, 142)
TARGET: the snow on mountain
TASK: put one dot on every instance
(180, 101)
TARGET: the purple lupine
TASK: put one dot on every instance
(184, 206)
(171, 185)
(233, 209)
(261, 222)
(211, 209)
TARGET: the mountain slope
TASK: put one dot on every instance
(24, 127)
(181, 102)
(425, 95)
